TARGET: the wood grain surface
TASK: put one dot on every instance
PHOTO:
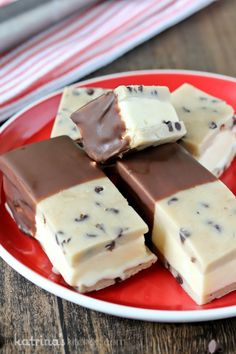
(206, 41)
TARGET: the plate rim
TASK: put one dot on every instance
(136, 313)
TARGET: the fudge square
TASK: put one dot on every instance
(86, 227)
(192, 217)
(130, 117)
(209, 121)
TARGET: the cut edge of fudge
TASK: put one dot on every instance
(129, 118)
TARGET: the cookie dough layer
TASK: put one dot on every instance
(209, 122)
(192, 216)
(84, 224)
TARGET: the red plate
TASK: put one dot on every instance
(152, 294)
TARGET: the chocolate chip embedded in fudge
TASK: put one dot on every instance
(57, 196)
(72, 99)
(210, 136)
(130, 117)
(191, 215)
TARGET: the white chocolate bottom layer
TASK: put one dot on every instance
(100, 270)
(199, 300)
(218, 156)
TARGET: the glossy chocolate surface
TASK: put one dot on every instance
(101, 128)
(156, 173)
(37, 171)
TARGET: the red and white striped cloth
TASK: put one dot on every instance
(81, 44)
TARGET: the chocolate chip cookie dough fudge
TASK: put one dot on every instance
(211, 136)
(86, 227)
(130, 117)
(192, 216)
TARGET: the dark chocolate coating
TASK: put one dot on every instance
(157, 173)
(101, 128)
(37, 171)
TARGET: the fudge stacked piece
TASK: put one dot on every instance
(209, 122)
(192, 216)
(128, 118)
(86, 227)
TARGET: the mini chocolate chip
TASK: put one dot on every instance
(121, 231)
(98, 189)
(183, 234)
(198, 212)
(98, 204)
(100, 227)
(74, 129)
(234, 121)
(214, 347)
(177, 126)
(140, 88)
(56, 238)
(186, 109)
(90, 91)
(60, 232)
(169, 125)
(44, 220)
(218, 227)
(205, 205)
(193, 259)
(179, 279)
(118, 280)
(154, 92)
(91, 235)
(110, 246)
(113, 210)
(215, 100)
(172, 200)
(212, 125)
(68, 240)
(129, 88)
(82, 217)
(202, 98)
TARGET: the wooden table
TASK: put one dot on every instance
(207, 42)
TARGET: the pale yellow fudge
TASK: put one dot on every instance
(89, 232)
(191, 215)
(209, 122)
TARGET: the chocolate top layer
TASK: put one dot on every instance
(101, 128)
(160, 172)
(47, 167)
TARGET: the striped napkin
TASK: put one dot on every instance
(81, 44)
